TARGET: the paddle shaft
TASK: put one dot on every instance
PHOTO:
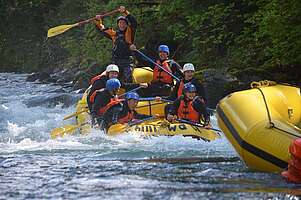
(75, 114)
(133, 90)
(154, 98)
(196, 124)
(63, 28)
(93, 18)
(141, 120)
(153, 104)
(69, 128)
(150, 60)
(210, 110)
(85, 110)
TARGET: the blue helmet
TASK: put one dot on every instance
(189, 87)
(132, 95)
(113, 84)
(163, 48)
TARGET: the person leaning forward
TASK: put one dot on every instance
(98, 82)
(122, 39)
(104, 100)
(127, 112)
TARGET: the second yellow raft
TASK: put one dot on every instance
(261, 123)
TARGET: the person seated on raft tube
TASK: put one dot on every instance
(98, 82)
(127, 112)
(162, 82)
(189, 107)
(188, 71)
(122, 39)
(104, 100)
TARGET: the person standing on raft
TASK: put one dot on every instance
(122, 39)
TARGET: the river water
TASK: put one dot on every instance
(33, 166)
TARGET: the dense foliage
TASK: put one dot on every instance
(250, 38)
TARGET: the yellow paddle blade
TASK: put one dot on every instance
(117, 129)
(61, 131)
(60, 29)
(75, 114)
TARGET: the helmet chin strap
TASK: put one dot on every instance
(188, 98)
(113, 92)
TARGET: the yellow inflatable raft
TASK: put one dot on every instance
(261, 123)
(154, 127)
(160, 127)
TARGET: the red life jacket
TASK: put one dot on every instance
(186, 111)
(112, 103)
(127, 118)
(95, 78)
(181, 87)
(160, 75)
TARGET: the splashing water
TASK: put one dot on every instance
(97, 166)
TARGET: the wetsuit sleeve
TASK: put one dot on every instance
(132, 20)
(174, 94)
(106, 32)
(96, 105)
(129, 86)
(98, 84)
(176, 69)
(151, 65)
(200, 107)
(99, 102)
(114, 114)
(174, 108)
(200, 89)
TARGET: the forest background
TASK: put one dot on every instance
(250, 39)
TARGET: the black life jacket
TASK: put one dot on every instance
(120, 50)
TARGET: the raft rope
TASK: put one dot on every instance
(265, 83)
(272, 125)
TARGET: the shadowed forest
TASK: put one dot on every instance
(248, 38)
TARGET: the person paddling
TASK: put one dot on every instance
(163, 82)
(104, 100)
(189, 107)
(98, 82)
(127, 112)
(122, 39)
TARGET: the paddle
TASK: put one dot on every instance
(86, 109)
(63, 28)
(119, 128)
(154, 98)
(67, 129)
(209, 110)
(152, 104)
(196, 124)
(150, 60)
(133, 90)
(139, 121)
(75, 114)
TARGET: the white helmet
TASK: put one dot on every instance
(188, 67)
(112, 68)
